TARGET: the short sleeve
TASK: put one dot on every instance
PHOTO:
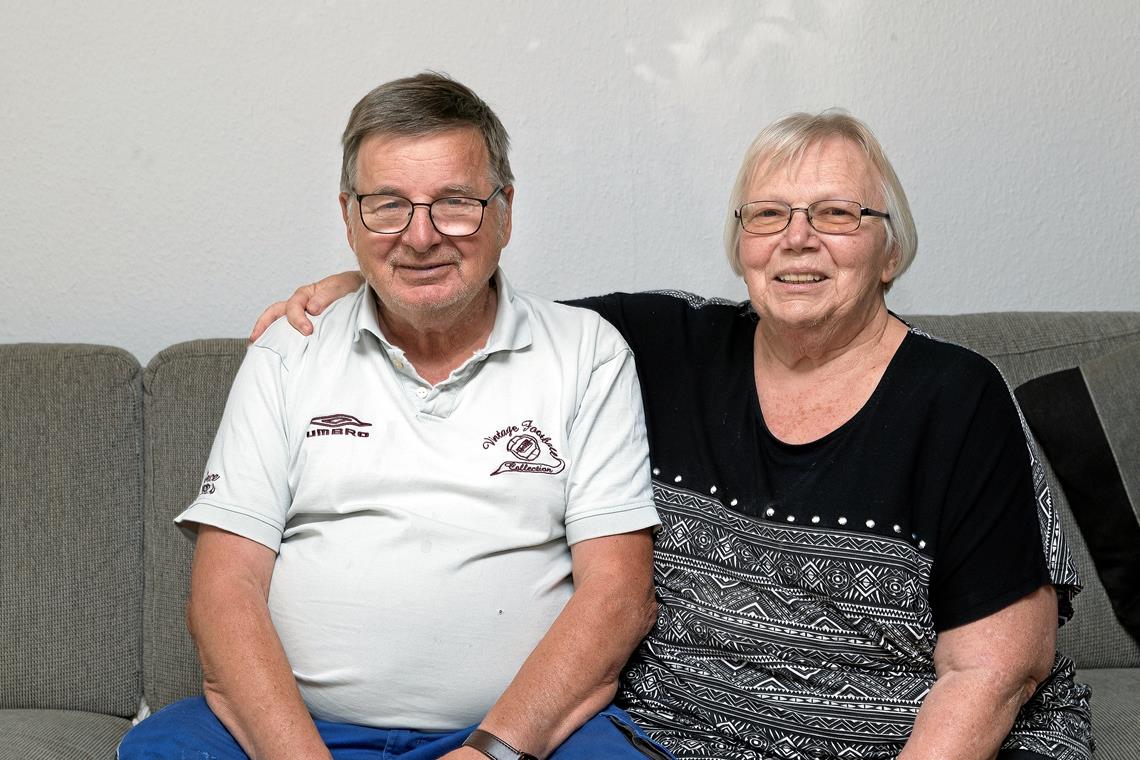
(245, 489)
(608, 487)
(990, 550)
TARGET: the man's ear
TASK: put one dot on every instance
(508, 194)
(345, 203)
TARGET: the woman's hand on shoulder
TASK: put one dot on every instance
(307, 299)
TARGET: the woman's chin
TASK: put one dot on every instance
(795, 314)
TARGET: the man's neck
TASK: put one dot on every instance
(437, 343)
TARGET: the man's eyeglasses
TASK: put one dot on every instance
(456, 216)
(832, 217)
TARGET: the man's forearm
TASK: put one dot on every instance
(573, 672)
(248, 682)
(250, 687)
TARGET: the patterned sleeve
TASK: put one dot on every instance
(1058, 558)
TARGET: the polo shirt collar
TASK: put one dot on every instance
(510, 332)
(512, 322)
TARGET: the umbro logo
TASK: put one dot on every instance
(337, 424)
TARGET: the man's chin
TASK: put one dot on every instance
(429, 300)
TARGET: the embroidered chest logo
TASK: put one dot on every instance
(530, 449)
(337, 424)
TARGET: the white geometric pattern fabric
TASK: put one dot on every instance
(795, 642)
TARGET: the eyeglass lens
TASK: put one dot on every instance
(832, 216)
(451, 216)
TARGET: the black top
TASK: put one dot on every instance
(801, 587)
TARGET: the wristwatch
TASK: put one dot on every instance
(494, 747)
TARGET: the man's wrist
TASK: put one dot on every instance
(494, 747)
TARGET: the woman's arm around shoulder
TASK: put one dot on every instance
(307, 299)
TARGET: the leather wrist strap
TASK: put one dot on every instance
(494, 747)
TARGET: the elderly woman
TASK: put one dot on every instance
(857, 557)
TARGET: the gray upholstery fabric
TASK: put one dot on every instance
(1027, 344)
(1116, 720)
(59, 735)
(185, 391)
(1024, 345)
(76, 628)
(70, 528)
(186, 386)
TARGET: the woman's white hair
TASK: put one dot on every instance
(784, 142)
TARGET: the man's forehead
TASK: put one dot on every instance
(455, 159)
(464, 139)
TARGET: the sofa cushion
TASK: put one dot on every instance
(59, 735)
(70, 528)
(1087, 420)
(1025, 345)
(186, 387)
(1116, 728)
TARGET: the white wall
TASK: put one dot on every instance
(169, 168)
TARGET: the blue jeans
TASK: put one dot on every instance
(188, 730)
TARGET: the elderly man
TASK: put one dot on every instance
(425, 527)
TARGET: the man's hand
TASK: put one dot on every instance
(307, 299)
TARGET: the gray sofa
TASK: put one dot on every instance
(99, 454)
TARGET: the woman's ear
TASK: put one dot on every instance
(892, 263)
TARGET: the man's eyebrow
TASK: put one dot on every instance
(443, 192)
(458, 190)
(383, 190)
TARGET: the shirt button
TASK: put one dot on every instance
(421, 392)
(397, 364)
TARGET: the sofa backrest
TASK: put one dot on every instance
(1027, 345)
(186, 387)
(185, 392)
(70, 528)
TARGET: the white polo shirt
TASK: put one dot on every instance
(423, 532)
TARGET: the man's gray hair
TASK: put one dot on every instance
(424, 104)
(784, 142)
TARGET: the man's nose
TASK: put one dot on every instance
(421, 234)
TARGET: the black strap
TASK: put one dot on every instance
(494, 747)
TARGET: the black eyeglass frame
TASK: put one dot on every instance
(483, 202)
(863, 211)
